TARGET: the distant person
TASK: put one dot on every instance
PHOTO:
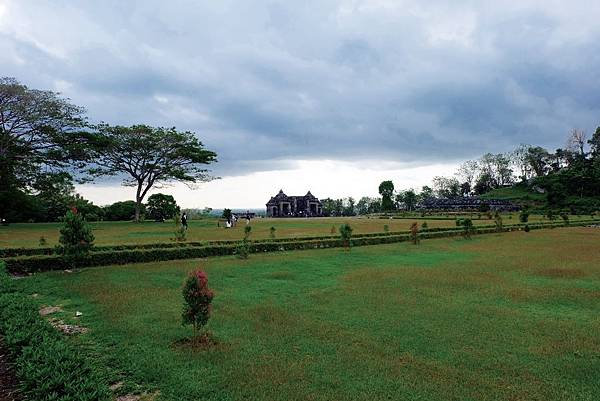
(228, 224)
(184, 220)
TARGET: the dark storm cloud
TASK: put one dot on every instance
(266, 84)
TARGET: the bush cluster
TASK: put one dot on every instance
(47, 367)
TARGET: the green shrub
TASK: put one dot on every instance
(424, 226)
(498, 222)
(242, 249)
(386, 228)
(76, 236)
(42, 242)
(346, 234)
(467, 228)
(272, 232)
(526, 228)
(524, 215)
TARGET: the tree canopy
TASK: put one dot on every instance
(161, 207)
(39, 134)
(386, 190)
(147, 157)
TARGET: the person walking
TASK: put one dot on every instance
(184, 221)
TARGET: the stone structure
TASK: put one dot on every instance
(282, 205)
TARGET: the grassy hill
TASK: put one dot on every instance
(521, 194)
(517, 194)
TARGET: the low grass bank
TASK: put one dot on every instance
(46, 366)
(500, 317)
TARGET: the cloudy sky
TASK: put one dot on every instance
(331, 96)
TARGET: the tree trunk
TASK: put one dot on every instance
(138, 202)
(137, 210)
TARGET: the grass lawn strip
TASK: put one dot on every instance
(506, 316)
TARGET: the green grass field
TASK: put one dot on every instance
(122, 232)
(509, 316)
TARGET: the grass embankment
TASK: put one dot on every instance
(27, 235)
(507, 316)
(517, 193)
(47, 368)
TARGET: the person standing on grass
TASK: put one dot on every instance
(184, 221)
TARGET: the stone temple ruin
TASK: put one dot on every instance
(282, 205)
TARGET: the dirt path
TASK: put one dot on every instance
(8, 381)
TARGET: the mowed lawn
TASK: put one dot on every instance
(512, 316)
(27, 235)
(126, 232)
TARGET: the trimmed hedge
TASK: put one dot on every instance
(47, 367)
(31, 264)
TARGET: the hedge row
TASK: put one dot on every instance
(47, 367)
(15, 252)
(32, 264)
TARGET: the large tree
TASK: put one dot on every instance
(148, 157)
(162, 207)
(368, 205)
(468, 171)
(56, 194)
(409, 198)
(576, 141)
(386, 190)
(538, 160)
(39, 133)
(349, 207)
(446, 187)
(594, 143)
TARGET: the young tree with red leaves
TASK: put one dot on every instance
(198, 298)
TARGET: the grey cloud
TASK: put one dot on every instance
(264, 84)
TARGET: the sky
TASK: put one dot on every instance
(328, 96)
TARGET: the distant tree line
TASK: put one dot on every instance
(51, 207)
(568, 178)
